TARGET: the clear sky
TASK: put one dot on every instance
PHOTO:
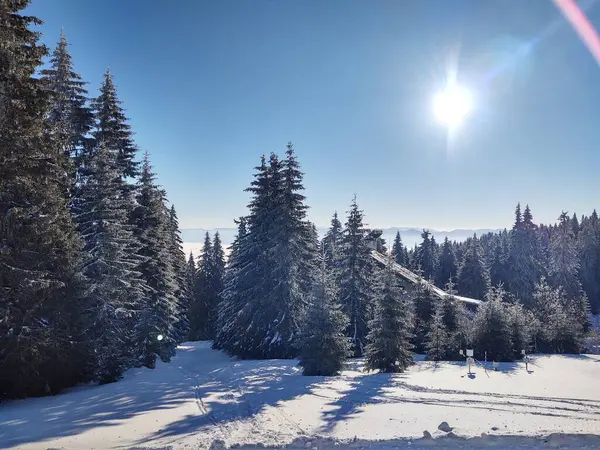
(211, 85)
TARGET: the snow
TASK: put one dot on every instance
(204, 398)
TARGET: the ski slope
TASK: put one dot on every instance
(415, 279)
(204, 398)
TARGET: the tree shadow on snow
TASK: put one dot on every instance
(83, 408)
(363, 390)
(234, 392)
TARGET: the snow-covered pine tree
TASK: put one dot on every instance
(191, 274)
(293, 259)
(589, 271)
(332, 241)
(456, 322)
(322, 340)
(356, 279)
(113, 130)
(231, 302)
(564, 258)
(388, 342)
(473, 275)
(218, 275)
(437, 338)
(203, 311)
(40, 302)
(398, 250)
(118, 295)
(498, 267)
(183, 294)
(426, 256)
(248, 272)
(424, 305)
(524, 266)
(560, 331)
(492, 328)
(70, 119)
(151, 227)
(447, 268)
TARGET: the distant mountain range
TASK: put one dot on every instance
(410, 236)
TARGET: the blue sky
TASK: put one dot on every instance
(211, 85)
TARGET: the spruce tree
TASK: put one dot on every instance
(203, 311)
(424, 307)
(589, 270)
(42, 349)
(322, 340)
(388, 343)
(498, 267)
(152, 228)
(398, 250)
(118, 295)
(492, 328)
(276, 265)
(564, 259)
(70, 119)
(355, 279)
(561, 331)
(437, 338)
(112, 129)
(447, 267)
(231, 300)
(218, 264)
(473, 276)
(332, 241)
(183, 292)
(524, 263)
(426, 256)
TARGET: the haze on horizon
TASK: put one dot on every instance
(209, 88)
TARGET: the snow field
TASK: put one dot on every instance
(203, 399)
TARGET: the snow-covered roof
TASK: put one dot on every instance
(412, 277)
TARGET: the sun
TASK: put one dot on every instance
(452, 105)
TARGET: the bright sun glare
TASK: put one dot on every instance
(452, 105)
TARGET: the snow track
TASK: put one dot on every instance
(203, 399)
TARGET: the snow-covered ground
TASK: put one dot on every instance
(204, 398)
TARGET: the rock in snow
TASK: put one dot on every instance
(445, 427)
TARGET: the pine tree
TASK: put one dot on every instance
(41, 349)
(332, 241)
(203, 312)
(182, 293)
(524, 263)
(437, 338)
(113, 130)
(322, 340)
(190, 275)
(356, 278)
(276, 265)
(498, 268)
(564, 269)
(232, 302)
(118, 294)
(426, 256)
(424, 306)
(473, 276)
(560, 331)
(492, 328)
(152, 228)
(218, 264)
(388, 343)
(447, 268)
(70, 119)
(589, 271)
(398, 250)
